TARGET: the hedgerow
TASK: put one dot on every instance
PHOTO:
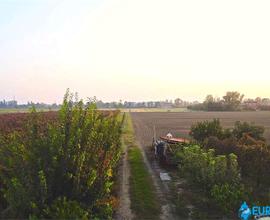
(62, 169)
(246, 141)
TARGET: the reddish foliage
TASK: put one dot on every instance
(11, 122)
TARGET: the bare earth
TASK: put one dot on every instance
(179, 123)
(124, 211)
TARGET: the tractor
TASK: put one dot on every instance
(165, 146)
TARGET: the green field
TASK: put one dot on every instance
(22, 110)
(11, 110)
(154, 110)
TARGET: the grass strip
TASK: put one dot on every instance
(144, 202)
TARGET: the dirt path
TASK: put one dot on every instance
(162, 188)
(124, 211)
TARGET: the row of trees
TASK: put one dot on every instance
(64, 169)
(177, 103)
(8, 104)
(232, 101)
(14, 104)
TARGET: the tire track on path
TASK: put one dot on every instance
(162, 188)
(124, 211)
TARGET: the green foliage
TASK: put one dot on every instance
(240, 129)
(205, 169)
(205, 129)
(213, 174)
(143, 198)
(255, 163)
(47, 170)
(227, 196)
(253, 155)
(246, 141)
(64, 209)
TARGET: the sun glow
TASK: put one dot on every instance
(133, 50)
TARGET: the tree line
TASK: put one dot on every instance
(13, 104)
(231, 101)
(177, 103)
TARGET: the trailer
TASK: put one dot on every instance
(173, 140)
(165, 146)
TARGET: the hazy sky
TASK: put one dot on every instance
(133, 49)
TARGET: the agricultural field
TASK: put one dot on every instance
(155, 110)
(22, 110)
(11, 110)
(10, 122)
(39, 132)
(179, 123)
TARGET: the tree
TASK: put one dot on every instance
(178, 102)
(209, 99)
(232, 100)
(258, 100)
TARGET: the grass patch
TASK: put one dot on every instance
(12, 110)
(143, 197)
(23, 110)
(155, 109)
(144, 202)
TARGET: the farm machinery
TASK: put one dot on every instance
(165, 147)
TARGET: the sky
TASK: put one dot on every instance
(133, 49)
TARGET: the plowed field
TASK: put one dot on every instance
(179, 123)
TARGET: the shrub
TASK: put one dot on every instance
(205, 129)
(215, 175)
(205, 169)
(253, 157)
(227, 196)
(254, 131)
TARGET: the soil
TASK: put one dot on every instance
(124, 211)
(179, 123)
